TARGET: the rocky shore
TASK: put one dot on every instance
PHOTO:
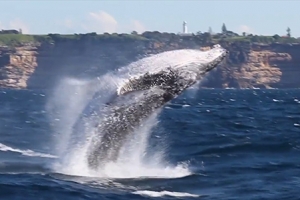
(249, 65)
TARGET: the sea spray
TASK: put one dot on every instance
(65, 105)
(131, 161)
(72, 129)
(76, 108)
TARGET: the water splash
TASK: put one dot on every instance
(75, 131)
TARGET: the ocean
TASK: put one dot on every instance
(205, 144)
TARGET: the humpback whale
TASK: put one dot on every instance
(144, 91)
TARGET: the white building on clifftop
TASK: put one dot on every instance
(185, 30)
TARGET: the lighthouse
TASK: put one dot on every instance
(184, 27)
(185, 30)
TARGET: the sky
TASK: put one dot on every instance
(262, 17)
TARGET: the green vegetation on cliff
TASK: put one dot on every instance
(13, 40)
(262, 39)
(93, 37)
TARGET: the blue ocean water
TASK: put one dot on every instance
(222, 144)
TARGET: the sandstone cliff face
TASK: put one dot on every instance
(43, 66)
(17, 67)
(262, 66)
(260, 69)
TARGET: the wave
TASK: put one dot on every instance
(18, 167)
(164, 193)
(27, 152)
(247, 147)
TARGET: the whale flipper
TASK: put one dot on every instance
(166, 79)
(146, 81)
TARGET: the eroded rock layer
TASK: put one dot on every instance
(247, 66)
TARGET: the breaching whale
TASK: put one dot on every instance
(144, 91)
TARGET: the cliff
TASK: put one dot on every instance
(42, 64)
(17, 66)
(259, 66)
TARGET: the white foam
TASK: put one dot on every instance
(164, 193)
(276, 100)
(255, 88)
(25, 152)
(127, 170)
(131, 162)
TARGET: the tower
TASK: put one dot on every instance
(185, 30)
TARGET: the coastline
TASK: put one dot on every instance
(39, 61)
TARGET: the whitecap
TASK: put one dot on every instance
(25, 152)
(276, 100)
(164, 193)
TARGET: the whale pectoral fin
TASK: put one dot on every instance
(162, 79)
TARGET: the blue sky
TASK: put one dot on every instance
(263, 17)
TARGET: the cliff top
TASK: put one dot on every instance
(14, 40)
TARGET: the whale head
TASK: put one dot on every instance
(183, 69)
